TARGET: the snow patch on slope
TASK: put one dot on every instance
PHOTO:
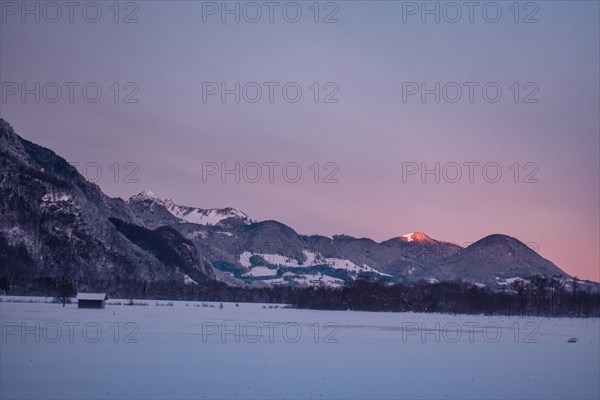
(188, 281)
(408, 237)
(55, 198)
(260, 271)
(280, 261)
(510, 281)
(204, 217)
(312, 259)
(245, 259)
(318, 279)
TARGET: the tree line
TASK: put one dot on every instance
(535, 296)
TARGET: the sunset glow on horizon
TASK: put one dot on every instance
(456, 130)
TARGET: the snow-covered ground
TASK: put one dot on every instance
(196, 350)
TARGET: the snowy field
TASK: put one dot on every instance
(190, 351)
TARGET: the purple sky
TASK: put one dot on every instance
(369, 133)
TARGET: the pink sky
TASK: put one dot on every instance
(368, 134)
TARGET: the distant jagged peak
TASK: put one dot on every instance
(210, 216)
(145, 195)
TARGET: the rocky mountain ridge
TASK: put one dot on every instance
(56, 223)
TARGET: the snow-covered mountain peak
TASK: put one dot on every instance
(416, 237)
(211, 216)
(146, 195)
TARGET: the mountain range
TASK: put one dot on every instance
(56, 223)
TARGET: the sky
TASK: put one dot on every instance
(368, 118)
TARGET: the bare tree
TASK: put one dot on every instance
(557, 284)
(65, 289)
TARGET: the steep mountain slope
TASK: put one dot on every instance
(55, 223)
